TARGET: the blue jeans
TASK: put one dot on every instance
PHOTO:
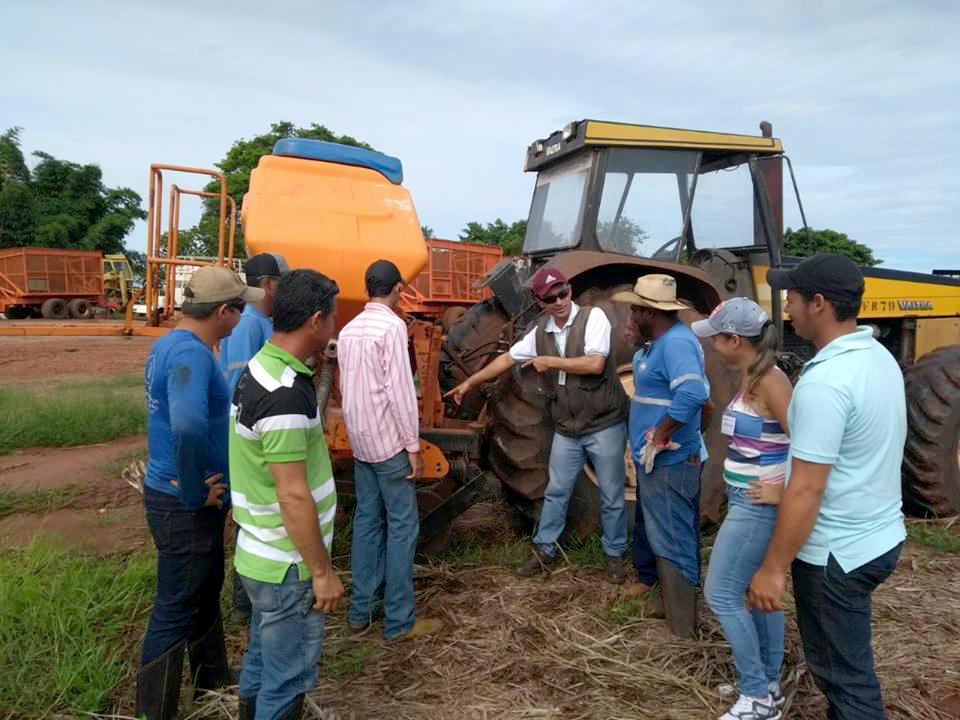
(755, 637)
(833, 614)
(668, 520)
(189, 572)
(386, 526)
(286, 642)
(567, 456)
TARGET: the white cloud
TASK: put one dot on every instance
(865, 95)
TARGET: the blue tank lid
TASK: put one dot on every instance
(386, 165)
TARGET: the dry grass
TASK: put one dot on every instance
(571, 647)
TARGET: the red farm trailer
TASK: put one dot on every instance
(50, 282)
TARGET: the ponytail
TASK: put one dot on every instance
(766, 345)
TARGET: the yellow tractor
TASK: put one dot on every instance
(118, 279)
(613, 201)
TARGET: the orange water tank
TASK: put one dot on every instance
(335, 209)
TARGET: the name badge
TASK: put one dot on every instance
(728, 424)
(561, 377)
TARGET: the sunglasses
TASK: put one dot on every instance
(237, 305)
(550, 299)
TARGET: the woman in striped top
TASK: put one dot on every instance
(754, 469)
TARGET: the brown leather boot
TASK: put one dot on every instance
(616, 570)
(537, 564)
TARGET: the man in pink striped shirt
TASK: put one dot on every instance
(380, 410)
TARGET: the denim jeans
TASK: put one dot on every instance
(286, 642)
(189, 572)
(755, 637)
(668, 520)
(833, 614)
(386, 526)
(567, 455)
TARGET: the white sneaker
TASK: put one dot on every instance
(776, 693)
(748, 708)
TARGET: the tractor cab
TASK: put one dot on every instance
(706, 199)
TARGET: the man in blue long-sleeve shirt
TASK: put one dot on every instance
(256, 324)
(250, 334)
(185, 492)
(665, 413)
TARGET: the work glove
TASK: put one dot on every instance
(648, 452)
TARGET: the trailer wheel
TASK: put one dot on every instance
(81, 309)
(17, 313)
(54, 309)
(931, 459)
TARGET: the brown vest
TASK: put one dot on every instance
(584, 403)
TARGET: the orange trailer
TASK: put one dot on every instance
(450, 281)
(51, 282)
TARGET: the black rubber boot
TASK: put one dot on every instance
(679, 600)
(293, 711)
(208, 660)
(247, 708)
(158, 685)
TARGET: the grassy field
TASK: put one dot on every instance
(71, 413)
(65, 623)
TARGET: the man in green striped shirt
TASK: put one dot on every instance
(284, 500)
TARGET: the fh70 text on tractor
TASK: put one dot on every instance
(612, 202)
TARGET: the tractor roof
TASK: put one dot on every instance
(581, 133)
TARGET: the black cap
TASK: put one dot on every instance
(836, 277)
(381, 278)
(264, 265)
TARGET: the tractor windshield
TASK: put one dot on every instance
(559, 198)
(644, 199)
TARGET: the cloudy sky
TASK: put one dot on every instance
(865, 94)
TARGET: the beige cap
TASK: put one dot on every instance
(655, 291)
(216, 283)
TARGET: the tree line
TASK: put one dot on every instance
(63, 204)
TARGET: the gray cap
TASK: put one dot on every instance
(736, 316)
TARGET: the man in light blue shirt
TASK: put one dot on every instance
(840, 521)
(250, 334)
(255, 326)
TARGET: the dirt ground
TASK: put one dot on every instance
(555, 649)
(63, 358)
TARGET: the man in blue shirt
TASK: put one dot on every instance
(839, 522)
(250, 334)
(665, 414)
(185, 491)
(256, 325)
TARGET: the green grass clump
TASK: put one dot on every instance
(43, 500)
(627, 608)
(71, 413)
(938, 536)
(344, 659)
(64, 622)
(507, 553)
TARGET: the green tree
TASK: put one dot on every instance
(508, 237)
(17, 211)
(60, 203)
(427, 231)
(236, 165)
(798, 244)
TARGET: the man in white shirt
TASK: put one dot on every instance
(570, 345)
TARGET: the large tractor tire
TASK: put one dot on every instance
(475, 338)
(931, 460)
